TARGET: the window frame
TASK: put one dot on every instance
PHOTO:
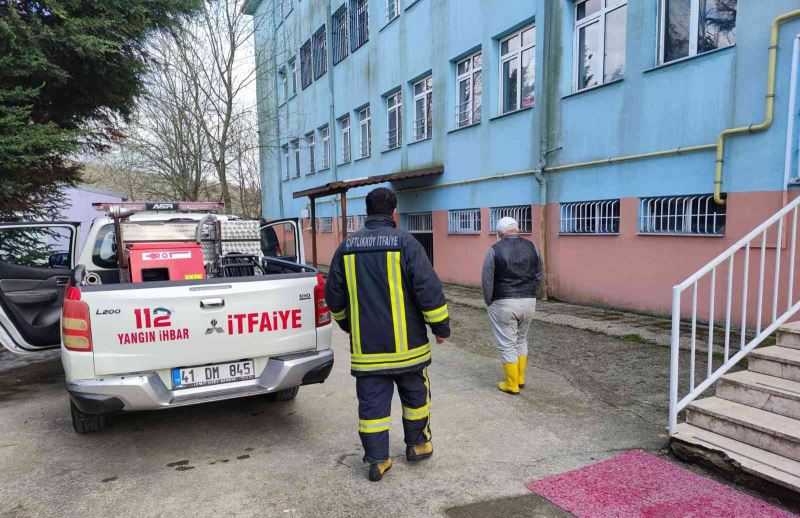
(600, 18)
(293, 71)
(694, 30)
(589, 218)
(283, 80)
(325, 138)
(306, 65)
(295, 146)
(516, 55)
(469, 76)
(365, 121)
(311, 147)
(286, 163)
(347, 154)
(653, 224)
(522, 214)
(456, 218)
(359, 27)
(398, 129)
(340, 34)
(426, 95)
(392, 6)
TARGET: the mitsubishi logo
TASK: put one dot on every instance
(214, 328)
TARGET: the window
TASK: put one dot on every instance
(420, 222)
(362, 220)
(280, 11)
(691, 27)
(688, 215)
(39, 247)
(423, 94)
(599, 41)
(320, 54)
(365, 126)
(468, 91)
(305, 64)
(394, 120)
(464, 221)
(517, 63)
(359, 23)
(344, 124)
(104, 252)
(310, 145)
(286, 162)
(521, 213)
(296, 150)
(325, 224)
(339, 27)
(590, 217)
(392, 9)
(351, 223)
(293, 77)
(284, 85)
(324, 135)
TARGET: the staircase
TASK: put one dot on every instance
(751, 425)
(754, 418)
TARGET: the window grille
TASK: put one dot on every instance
(359, 23)
(590, 217)
(341, 45)
(305, 65)
(325, 224)
(422, 222)
(682, 215)
(464, 221)
(320, 54)
(521, 213)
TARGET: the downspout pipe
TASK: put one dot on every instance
(769, 109)
(277, 121)
(332, 114)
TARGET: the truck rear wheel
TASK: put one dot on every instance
(284, 395)
(86, 423)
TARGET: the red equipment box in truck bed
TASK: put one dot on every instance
(165, 261)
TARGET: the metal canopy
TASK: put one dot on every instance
(341, 186)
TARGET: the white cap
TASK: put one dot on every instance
(507, 224)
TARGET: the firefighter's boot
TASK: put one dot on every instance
(511, 384)
(418, 452)
(523, 362)
(377, 469)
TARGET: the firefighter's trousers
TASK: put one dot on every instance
(374, 410)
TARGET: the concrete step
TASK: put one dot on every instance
(764, 430)
(776, 395)
(789, 335)
(781, 362)
(749, 459)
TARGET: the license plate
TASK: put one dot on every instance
(188, 377)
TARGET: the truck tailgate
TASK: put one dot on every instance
(141, 327)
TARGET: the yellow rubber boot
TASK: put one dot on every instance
(377, 469)
(511, 384)
(523, 362)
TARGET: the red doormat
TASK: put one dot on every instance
(636, 484)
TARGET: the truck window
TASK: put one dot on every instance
(279, 241)
(104, 254)
(36, 247)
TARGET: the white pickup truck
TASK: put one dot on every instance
(129, 346)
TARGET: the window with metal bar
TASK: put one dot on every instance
(421, 222)
(394, 120)
(589, 217)
(468, 90)
(359, 23)
(392, 9)
(423, 95)
(320, 53)
(464, 221)
(521, 213)
(696, 215)
(325, 224)
(341, 44)
(306, 75)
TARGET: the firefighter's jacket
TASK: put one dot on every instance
(382, 290)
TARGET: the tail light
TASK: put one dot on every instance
(76, 328)
(322, 312)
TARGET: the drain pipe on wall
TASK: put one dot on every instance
(332, 114)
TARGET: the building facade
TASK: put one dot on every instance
(593, 122)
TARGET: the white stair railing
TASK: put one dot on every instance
(772, 309)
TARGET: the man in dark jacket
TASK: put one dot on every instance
(383, 291)
(512, 274)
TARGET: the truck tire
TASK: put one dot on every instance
(86, 423)
(284, 395)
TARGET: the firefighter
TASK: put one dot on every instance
(382, 290)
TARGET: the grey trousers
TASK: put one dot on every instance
(511, 319)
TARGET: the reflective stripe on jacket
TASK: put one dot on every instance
(382, 289)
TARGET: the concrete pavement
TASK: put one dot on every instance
(585, 401)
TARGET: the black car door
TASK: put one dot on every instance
(36, 261)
